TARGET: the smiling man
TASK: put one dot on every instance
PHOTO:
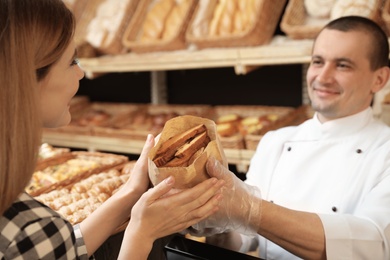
(325, 183)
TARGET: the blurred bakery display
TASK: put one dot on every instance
(155, 35)
(112, 27)
(161, 35)
(303, 19)
(123, 127)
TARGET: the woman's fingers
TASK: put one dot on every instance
(160, 189)
(199, 194)
(141, 164)
(195, 204)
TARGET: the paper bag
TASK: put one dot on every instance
(186, 177)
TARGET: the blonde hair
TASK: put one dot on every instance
(33, 36)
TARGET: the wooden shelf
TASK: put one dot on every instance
(241, 158)
(281, 50)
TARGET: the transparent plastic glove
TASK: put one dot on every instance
(240, 209)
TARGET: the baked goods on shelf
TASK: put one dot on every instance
(98, 114)
(256, 124)
(104, 31)
(150, 119)
(159, 25)
(232, 17)
(67, 169)
(47, 152)
(367, 8)
(386, 16)
(239, 127)
(78, 200)
(319, 8)
(303, 19)
(235, 124)
(233, 23)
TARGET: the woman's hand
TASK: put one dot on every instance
(155, 215)
(138, 182)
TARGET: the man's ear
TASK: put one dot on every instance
(383, 75)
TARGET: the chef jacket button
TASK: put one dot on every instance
(289, 149)
(359, 151)
(334, 209)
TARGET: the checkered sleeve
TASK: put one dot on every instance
(49, 238)
(80, 245)
(31, 230)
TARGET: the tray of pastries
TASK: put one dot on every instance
(151, 119)
(236, 123)
(98, 114)
(78, 200)
(70, 168)
(284, 118)
(48, 152)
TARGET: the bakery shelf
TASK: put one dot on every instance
(281, 50)
(240, 158)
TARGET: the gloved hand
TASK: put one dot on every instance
(239, 210)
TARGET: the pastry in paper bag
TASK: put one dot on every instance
(185, 144)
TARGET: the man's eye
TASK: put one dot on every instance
(75, 62)
(343, 65)
(316, 62)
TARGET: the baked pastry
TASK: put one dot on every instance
(175, 19)
(203, 16)
(85, 196)
(227, 129)
(93, 118)
(228, 118)
(227, 125)
(319, 8)
(232, 17)
(154, 23)
(353, 7)
(102, 28)
(256, 124)
(218, 12)
(226, 23)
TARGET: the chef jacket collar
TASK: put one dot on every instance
(342, 127)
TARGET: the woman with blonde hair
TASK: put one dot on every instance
(39, 74)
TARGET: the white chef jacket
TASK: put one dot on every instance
(339, 170)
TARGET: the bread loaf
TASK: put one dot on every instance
(101, 31)
(175, 18)
(203, 16)
(319, 8)
(353, 7)
(218, 12)
(233, 16)
(153, 25)
(226, 23)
